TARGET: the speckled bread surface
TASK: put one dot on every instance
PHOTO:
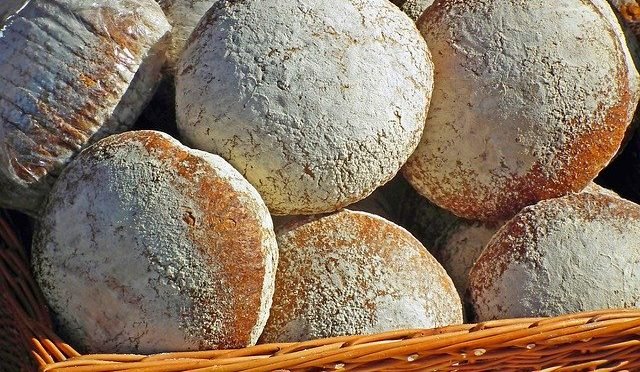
(147, 246)
(565, 255)
(316, 103)
(531, 101)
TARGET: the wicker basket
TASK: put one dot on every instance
(600, 340)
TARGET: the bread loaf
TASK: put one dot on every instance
(532, 99)
(355, 273)
(71, 72)
(316, 103)
(147, 246)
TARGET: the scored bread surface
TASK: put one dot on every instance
(72, 72)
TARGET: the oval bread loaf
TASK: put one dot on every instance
(71, 72)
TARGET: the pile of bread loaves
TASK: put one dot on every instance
(498, 113)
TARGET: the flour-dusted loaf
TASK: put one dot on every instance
(463, 241)
(317, 103)
(147, 246)
(531, 100)
(71, 72)
(355, 273)
(460, 245)
(575, 253)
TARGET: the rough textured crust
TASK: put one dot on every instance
(147, 246)
(355, 273)
(71, 72)
(570, 254)
(532, 99)
(316, 103)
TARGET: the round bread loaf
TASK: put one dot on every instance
(565, 255)
(316, 103)
(72, 72)
(462, 242)
(355, 273)
(532, 99)
(147, 246)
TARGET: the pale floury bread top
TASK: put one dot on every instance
(532, 100)
(147, 246)
(317, 103)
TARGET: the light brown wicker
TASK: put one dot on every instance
(601, 340)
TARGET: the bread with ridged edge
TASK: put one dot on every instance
(71, 72)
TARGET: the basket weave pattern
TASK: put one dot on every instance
(600, 340)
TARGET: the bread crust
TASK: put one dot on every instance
(316, 103)
(532, 100)
(72, 72)
(147, 246)
(355, 273)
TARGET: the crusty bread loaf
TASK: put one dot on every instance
(531, 100)
(460, 245)
(71, 72)
(147, 246)
(565, 255)
(317, 103)
(355, 273)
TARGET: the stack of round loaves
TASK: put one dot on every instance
(497, 112)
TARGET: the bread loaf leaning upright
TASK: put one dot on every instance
(147, 246)
(532, 100)
(71, 72)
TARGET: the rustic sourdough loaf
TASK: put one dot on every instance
(355, 273)
(147, 246)
(570, 254)
(317, 103)
(532, 99)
